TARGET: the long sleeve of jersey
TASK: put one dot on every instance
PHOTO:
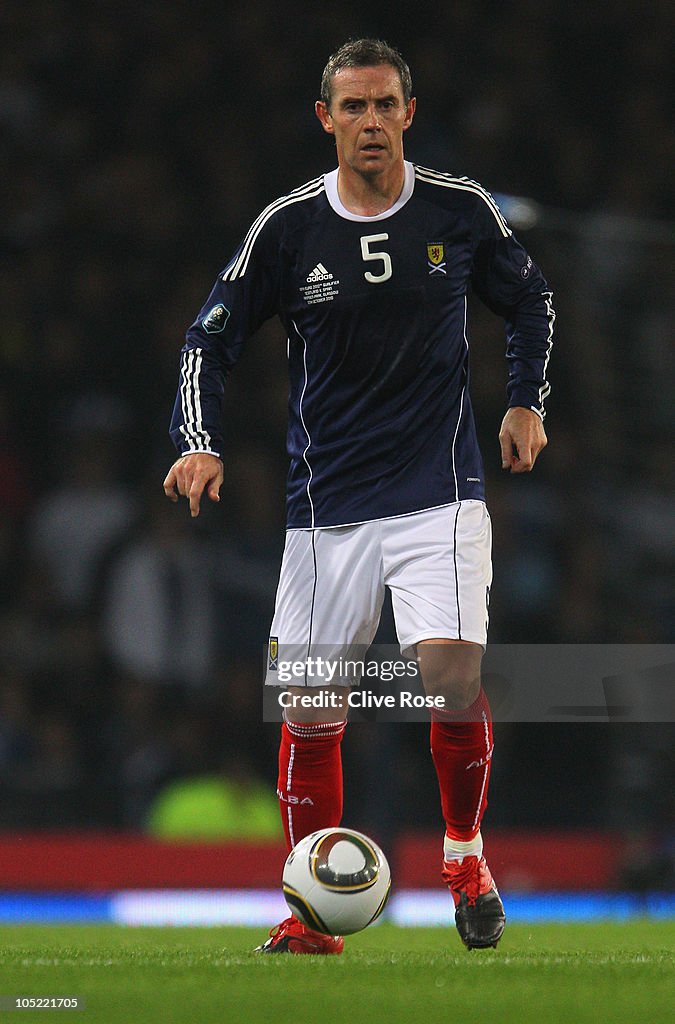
(513, 287)
(245, 294)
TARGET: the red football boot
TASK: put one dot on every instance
(291, 936)
(479, 912)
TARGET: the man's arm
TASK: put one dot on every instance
(512, 286)
(243, 297)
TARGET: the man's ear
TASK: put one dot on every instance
(409, 113)
(322, 112)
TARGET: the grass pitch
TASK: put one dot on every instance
(597, 973)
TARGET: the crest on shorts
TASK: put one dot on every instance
(273, 654)
(436, 257)
(215, 319)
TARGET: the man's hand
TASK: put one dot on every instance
(522, 437)
(190, 475)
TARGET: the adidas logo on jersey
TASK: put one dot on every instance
(319, 274)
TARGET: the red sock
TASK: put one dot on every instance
(310, 778)
(461, 747)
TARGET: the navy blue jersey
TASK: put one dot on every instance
(380, 418)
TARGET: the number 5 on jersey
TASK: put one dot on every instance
(368, 255)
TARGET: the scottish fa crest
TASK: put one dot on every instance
(273, 654)
(436, 257)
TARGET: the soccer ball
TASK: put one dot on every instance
(336, 881)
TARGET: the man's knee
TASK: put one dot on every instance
(458, 690)
(452, 671)
(314, 704)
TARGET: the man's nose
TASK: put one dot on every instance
(372, 120)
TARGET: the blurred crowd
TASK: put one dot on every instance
(137, 143)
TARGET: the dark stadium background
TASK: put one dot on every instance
(137, 143)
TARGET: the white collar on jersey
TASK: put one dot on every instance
(331, 183)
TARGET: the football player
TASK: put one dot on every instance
(368, 267)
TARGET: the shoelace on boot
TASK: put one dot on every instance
(466, 878)
(280, 930)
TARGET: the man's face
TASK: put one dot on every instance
(367, 116)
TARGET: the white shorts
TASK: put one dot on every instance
(437, 564)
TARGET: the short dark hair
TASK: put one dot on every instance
(365, 53)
